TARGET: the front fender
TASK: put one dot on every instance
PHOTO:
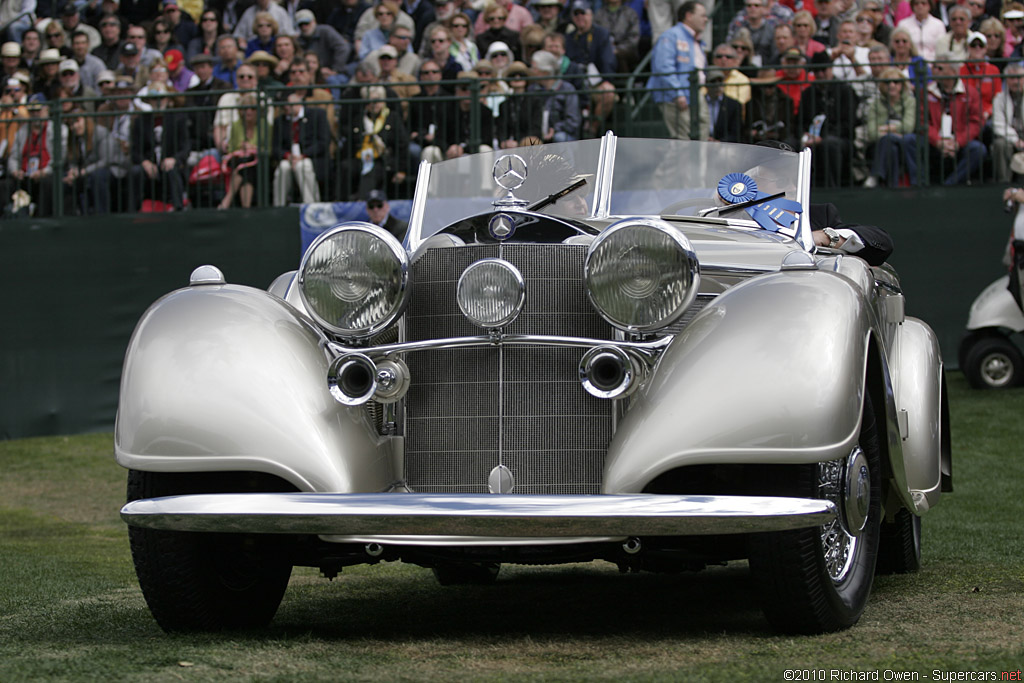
(771, 372)
(231, 378)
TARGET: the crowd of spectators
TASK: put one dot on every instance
(336, 99)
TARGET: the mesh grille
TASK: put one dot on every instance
(469, 410)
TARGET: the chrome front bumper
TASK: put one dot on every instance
(411, 514)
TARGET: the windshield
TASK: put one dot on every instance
(648, 177)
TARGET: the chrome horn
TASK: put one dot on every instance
(610, 372)
(353, 379)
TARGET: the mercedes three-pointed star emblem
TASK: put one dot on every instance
(509, 171)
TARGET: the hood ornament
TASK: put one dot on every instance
(510, 173)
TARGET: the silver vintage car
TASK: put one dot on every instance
(613, 349)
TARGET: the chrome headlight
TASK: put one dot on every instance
(641, 274)
(491, 293)
(354, 279)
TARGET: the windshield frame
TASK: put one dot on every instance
(602, 179)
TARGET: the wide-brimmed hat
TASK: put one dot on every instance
(262, 57)
(11, 49)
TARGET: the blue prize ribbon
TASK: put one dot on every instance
(736, 188)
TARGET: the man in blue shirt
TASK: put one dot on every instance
(591, 46)
(678, 54)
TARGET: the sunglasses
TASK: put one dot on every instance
(68, 73)
(428, 72)
(209, 19)
(54, 35)
(375, 205)
(161, 30)
(11, 91)
(497, 17)
(384, 13)
(578, 12)
(740, 47)
(438, 40)
(386, 57)
(263, 25)
(460, 25)
(485, 72)
(244, 76)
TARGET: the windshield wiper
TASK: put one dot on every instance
(736, 207)
(552, 198)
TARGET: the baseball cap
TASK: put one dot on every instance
(388, 50)
(202, 58)
(174, 58)
(129, 49)
(304, 16)
(1014, 14)
(545, 3)
(581, 6)
(69, 10)
(10, 50)
(376, 196)
(37, 100)
(105, 76)
(69, 65)
(793, 53)
(124, 83)
(975, 35)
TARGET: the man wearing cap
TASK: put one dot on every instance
(109, 49)
(30, 161)
(954, 125)
(591, 46)
(245, 29)
(131, 65)
(401, 40)
(181, 77)
(10, 59)
(981, 74)
(72, 86)
(89, 66)
(183, 27)
(1008, 122)
(677, 55)
(71, 21)
(328, 44)
(794, 77)
(623, 24)
(552, 15)
(401, 83)
(204, 97)
(379, 211)
(12, 107)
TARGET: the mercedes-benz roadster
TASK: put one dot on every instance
(614, 349)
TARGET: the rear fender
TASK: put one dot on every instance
(231, 378)
(771, 372)
(995, 307)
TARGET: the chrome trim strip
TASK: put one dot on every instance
(735, 269)
(419, 203)
(605, 166)
(651, 347)
(477, 514)
(803, 195)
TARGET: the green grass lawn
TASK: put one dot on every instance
(70, 607)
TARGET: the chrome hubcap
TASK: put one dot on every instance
(997, 369)
(837, 544)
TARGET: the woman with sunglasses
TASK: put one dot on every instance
(205, 42)
(56, 38)
(744, 47)
(804, 28)
(266, 34)
(463, 49)
(386, 16)
(995, 46)
(495, 17)
(162, 37)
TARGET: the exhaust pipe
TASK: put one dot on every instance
(609, 372)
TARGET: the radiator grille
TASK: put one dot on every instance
(469, 410)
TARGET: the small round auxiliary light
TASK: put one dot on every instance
(491, 293)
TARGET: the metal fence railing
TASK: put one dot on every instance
(253, 148)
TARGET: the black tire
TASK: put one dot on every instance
(992, 362)
(475, 573)
(798, 593)
(899, 551)
(205, 581)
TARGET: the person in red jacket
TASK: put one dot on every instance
(954, 118)
(979, 73)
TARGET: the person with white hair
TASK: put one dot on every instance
(561, 111)
(1008, 122)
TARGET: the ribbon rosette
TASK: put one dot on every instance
(736, 188)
